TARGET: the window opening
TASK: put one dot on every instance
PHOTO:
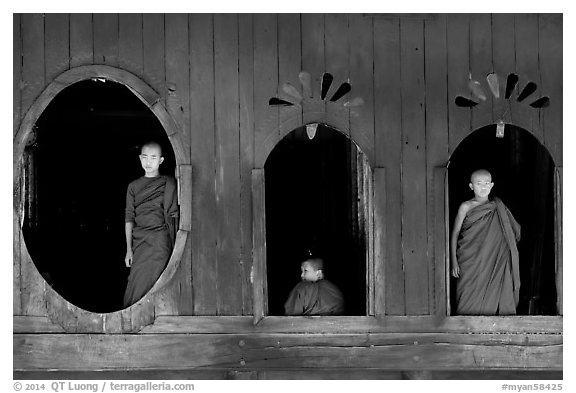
(523, 175)
(316, 203)
(77, 166)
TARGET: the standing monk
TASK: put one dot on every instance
(484, 253)
(151, 222)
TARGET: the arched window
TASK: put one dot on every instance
(318, 202)
(524, 178)
(77, 165)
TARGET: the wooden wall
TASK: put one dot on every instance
(215, 74)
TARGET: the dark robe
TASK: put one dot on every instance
(489, 282)
(152, 205)
(315, 298)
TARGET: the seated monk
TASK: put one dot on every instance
(314, 295)
(484, 253)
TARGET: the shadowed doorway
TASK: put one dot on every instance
(523, 175)
(316, 204)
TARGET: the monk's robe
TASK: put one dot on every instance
(152, 206)
(315, 298)
(489, 282)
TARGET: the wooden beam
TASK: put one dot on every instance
(397, 351)
(258, 275)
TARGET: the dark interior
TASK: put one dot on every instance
(311, 194)
(82, 156)
(523, 175)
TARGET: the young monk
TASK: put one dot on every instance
(314, 295)
(484, 253)
(151, 219)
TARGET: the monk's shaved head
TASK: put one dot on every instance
(152, 144)
(480, 172)
(316, 263)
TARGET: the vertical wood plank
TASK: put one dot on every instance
(527, 67)
(337, 50)
(246, 85)
(57, 29)
(552, 85)
(106, 39)
(457, 42)
(81, 40)
(16, 257)
(312, 26)
(130, 43)
(289, 59)
(558, 234)
(480, 66)
(436, 139)
(16, 71)
(153, 36)
(33, 80)
(266, 118)
(387, 138)
(202, 145)
(228, 160)
(503, 59)
(380, 243)
(439, 226)
(414, 167)
(258, 275)
(362, 82)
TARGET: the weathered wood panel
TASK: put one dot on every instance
(16, 70)
(202, 145)
(313, 62)
(387, 148)
(289, 64)
(362, 81)
(550, 36)
(266, 118)
(440, 228)
(436, 140)
(106, 39)
(81, 40)
(246, 96)
(480, 66)
(229, 299)
(33, 80)
(414, 234)
(57, 45)
(380, 241)
(527, 68)
(315, 351)
(458, 75)
(337, 53)
(258, 273)
(153, 36)
(558, 234)
(503, 60)
(130, 43)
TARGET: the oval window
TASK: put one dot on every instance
(78, 162)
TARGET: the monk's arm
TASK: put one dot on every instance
(128, 230)
(454, 238)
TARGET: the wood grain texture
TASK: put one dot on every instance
(57, 44)
(550, 47)
(202, 144)
(81, 40)
(246, 97)
(289, 65)
(33, 79)
(380, 241)
(314, 63)
(457, 36)
(558, 235)
(387, 152)
(258, 274)
(480, 66)
(414, 236)
(106, 39)
(436, 111)
(17, 56)
(153, 53)
(337, 51)
(440, 238)
(316, 351)
(130, 43)
(227, 140)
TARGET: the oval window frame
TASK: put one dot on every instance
(71, 318)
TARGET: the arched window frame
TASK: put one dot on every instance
(70, 317)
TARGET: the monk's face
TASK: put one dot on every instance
(150, 159)
(481, 185)
(309, 273)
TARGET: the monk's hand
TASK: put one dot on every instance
(455, 270)
(128, 259)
